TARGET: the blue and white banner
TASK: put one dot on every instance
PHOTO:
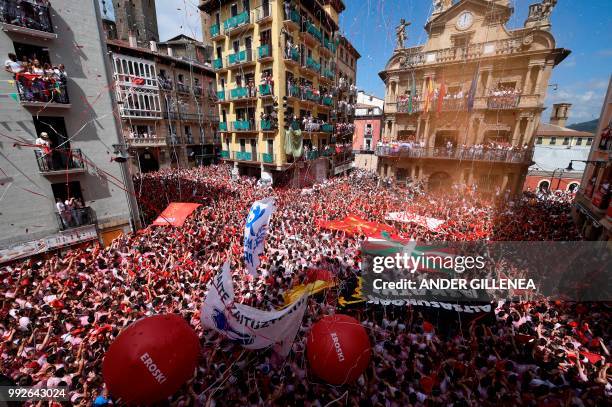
(247, 326)
(255, 232)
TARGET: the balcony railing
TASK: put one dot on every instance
(503, 102)
(329, 74)
(236, 21)
(267, 158)
(264, 51)
(311, 29)
(215, 30)
(243, 125)
(221, 95)
(181, 87)
(293, 16)
(470, 154)
(74, 218)
(330, 45)
(60, 160)
(265, 90)
(222, 126)
(218, 63)
(263, 12)
(241, 57)
(293, 55)
(313, 65)
(267, 125)
(243, 156)
(327, 101)
(243, 93)
(327, 128)
(26, 14)
(145, 140)
(41, 89)
(225, 154)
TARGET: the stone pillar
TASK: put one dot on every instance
(488, 84)
(418, 129)
(426, 133)
(538, 83)
(504, 184)
(412, 171)
(516, 136)
(480, 133)
(527, 84)
(528, 131)
(471, 177)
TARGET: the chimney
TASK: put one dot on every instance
(559, 114)
(170, 51)
(132, 39)
(153, 46)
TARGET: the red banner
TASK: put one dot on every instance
(352, 225)
(175, 214)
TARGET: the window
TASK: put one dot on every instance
(242, 145)
(270, 146)
(236, 46)
(579, 141)
(234, 10)
(589, 141)
(539, 140)
(32, 52)
(566, 141)
(553, 141)
(245, 5)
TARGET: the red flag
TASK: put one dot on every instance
(138, 81)
(441, 94)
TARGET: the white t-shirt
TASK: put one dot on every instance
(60, 207)
(14, 66)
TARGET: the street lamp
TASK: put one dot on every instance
(570, 167)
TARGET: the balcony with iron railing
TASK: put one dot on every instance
(60, 161)
(222, 126)
(503, 102)
(215, 32)
(221, 96)
(416, 56)
(218, 64)
(327, 101)
(225, 154)
(145, 140)
(267, 158)
(501, 155)
(243, 156)
(243, 93)
(240, 58)
(247, 125)
(75, 218)
(328, 74)
(263, 13)
(292, 57)
(292, 18)
(267, 126)
(311, 34)
(311, 65)
(32, 18)
(38, 90)
(265, 90)
(264, 53)
(233, 23)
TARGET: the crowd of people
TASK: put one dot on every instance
(36, 81)
(60, 314)
(33, 14)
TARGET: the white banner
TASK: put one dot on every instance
(248, 326)
(407, 217)
(255, 232)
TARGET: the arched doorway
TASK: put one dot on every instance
(439, 181)
(148, 162)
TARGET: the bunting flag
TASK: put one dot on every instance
(255, 232)
(430, 93)
(441, 94)
(472, 92)
(353, 225)
(247, 326)
(14, 96)
(412, 94)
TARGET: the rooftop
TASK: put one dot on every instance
(547, 129)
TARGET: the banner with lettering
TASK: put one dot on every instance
(432, 224)
(255, 232)
(250, 327)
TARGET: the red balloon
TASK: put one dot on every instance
(338, 349)
(151, 359)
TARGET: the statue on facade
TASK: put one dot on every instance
(547, 7)
(539, 14)
(400, 33)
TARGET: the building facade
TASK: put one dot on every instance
(368, 122)
(463, 107)
(138, 18)
(167, 107)
(346, 89)
(58, 132)
(592, 211)
(555, 146)
(276, 66)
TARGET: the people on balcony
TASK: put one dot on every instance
(33, 14)
(43, 147)
(267, 80)
(38, 82)
(251, 90)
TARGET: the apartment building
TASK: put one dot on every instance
(592, 210)
(167, 105)
(275, 64)
(58, 185)
(463, 107)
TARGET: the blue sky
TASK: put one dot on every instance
(583, 26)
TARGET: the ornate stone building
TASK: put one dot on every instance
(463, 106)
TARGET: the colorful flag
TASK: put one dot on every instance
(472, 92)
(412, 95)
(175, 214)
(14, 96)
(255, 232)
(430, 93)
(441, 94)
(247, 326)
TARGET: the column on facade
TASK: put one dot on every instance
(528, 130)
(417, 135)
(488, 83)
(527, 84)
(538, 84)
(412, 171)
(516, 136)
(481, 131)
(426, 133)
(504, 183)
